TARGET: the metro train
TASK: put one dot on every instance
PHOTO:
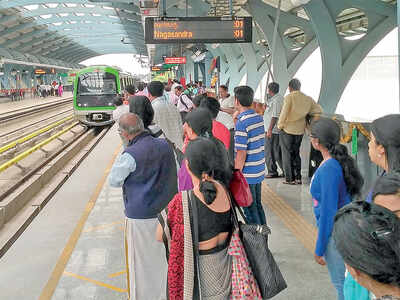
(95, 89)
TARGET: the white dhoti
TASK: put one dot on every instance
(146, 260)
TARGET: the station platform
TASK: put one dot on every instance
(74, 248)
(10, 106)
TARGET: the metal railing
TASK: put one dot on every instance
(33, 135)
(24, 154)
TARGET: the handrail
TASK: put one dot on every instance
(34, 148)
(33, 134)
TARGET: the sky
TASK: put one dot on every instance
(357, 102)
(127, 62)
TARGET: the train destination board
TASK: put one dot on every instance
(166, 30)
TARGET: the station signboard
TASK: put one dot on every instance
(175, 30)
(175, 60)
(40, 71)
(159, 69)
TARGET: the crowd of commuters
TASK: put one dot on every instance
(181, 148)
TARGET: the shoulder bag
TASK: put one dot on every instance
(263, 264)
(240, 189)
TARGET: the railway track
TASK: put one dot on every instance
(21, 130)
(28, 111)
(27, 193)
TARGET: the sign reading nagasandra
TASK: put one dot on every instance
(175, 60)
(166, 30)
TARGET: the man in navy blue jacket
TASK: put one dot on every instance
(146, 171)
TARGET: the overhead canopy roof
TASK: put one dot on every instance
(55, 31)
(70, 31)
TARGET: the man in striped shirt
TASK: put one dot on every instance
(249, 147)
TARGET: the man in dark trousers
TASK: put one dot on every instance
(297, 107)
(273, 154)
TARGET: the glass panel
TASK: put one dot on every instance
(93, 89)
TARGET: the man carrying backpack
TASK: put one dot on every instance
(184, 104)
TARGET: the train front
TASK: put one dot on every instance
(94, 95)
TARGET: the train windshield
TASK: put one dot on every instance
(96, 89)
(97, 83)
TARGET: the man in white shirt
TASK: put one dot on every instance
(120, 109)
(184, 103)
(273, 154)
(226, 101)
(166, 115)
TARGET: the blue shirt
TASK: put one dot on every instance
(249, 136)
(329, 192)
(123, 166)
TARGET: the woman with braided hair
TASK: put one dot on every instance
(367, 236)
(336, 181)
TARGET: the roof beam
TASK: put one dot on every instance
(23, 47)
(50, 21)
(25, 36)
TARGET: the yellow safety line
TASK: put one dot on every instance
(103, 226)
(99, 283)
(51, 285)
(301, 229)
(117, 274)
(33, 134)
(34, 148)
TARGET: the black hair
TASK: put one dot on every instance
(118, 101)
(141, 86)
(388, 184)
(224, 87)
(131, 89)
(295, 84)
(212, 105)
(328, 132)
(179, 87)
(244, 94)
(156, 88)
(386, 131)
(141, 106)
(207, 156)
(274, 87)
(198, 99)
(200, 121)
(367, 237)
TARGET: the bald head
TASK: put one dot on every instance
(131, 124)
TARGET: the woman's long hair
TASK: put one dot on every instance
(386, 131)
(328, 133)
(205, 157)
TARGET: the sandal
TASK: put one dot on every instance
(272, 176)
(289, 182)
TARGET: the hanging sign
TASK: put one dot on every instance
(175, 60)
(166, 30)
(40, 71)
(159, 68)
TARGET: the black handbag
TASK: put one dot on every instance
(265, 269)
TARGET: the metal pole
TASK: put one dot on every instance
(278, 14)
(164, 8)
(230, 8)
(187, 9)
(398, 32)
